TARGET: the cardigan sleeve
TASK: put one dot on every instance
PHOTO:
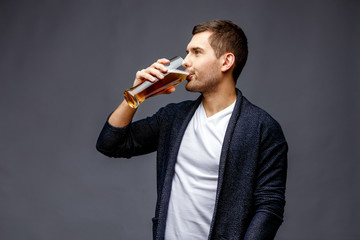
(143, 136)
(137, 138)
(269, 195)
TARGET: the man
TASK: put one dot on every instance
(221, 161)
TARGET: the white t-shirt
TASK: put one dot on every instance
(194, 184)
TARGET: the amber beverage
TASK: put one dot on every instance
(136, 95)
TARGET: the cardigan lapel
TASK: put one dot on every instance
(179, 126)
(224, 150)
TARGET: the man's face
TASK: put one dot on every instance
(202, 64)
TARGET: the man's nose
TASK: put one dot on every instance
(185, 62)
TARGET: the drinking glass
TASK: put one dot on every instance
(174, 76)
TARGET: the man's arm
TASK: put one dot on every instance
(118, 137)
(269, 196)
(124, 114)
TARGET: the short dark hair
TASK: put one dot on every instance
(226, 37)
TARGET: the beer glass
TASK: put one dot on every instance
(137, 94)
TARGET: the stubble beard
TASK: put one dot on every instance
(206, 84)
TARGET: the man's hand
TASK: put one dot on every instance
(123, 115)
(156, 70)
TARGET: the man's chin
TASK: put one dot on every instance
(189, 87)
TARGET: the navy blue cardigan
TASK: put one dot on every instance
(250, 196)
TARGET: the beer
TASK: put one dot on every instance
(136, 95)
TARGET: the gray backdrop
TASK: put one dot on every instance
(65, 64)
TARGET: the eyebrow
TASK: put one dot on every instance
(193, 49)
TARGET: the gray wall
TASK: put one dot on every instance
(65, 64)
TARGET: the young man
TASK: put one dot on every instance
(221, 161)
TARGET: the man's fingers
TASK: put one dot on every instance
(150, 74)
(159, 66)
(156, 70)
(144, 75)
(170, 90)
(163, 61)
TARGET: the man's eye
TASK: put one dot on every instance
(197, 52)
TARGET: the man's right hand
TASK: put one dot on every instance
(123, 114)
(156, 70)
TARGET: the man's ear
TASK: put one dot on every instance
(228, 61)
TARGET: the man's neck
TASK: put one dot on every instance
(216, 101)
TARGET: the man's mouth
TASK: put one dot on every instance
(189, 76)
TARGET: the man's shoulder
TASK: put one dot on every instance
(181, 105)
(179, 108)
(257, 115)
(174, 114)
(252, 109)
